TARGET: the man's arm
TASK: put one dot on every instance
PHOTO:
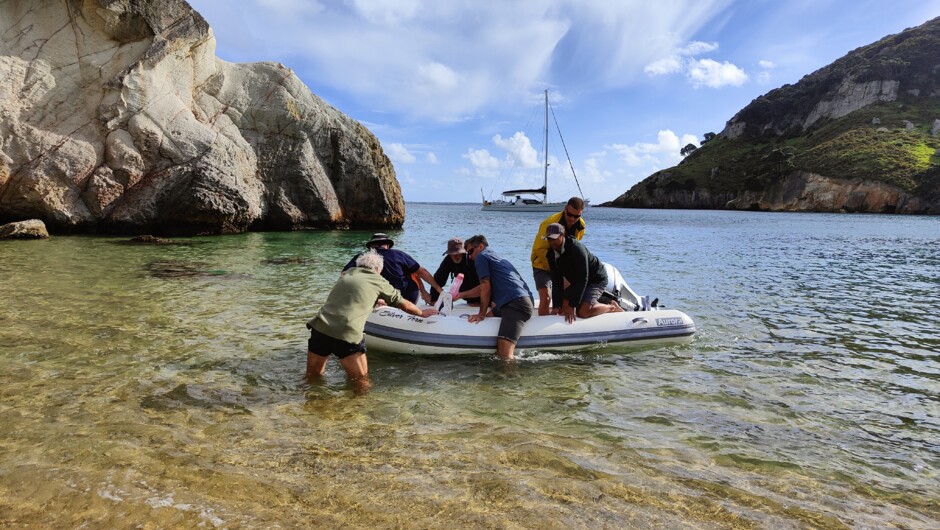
(423, 274)
(412, 309)
(426, 276)
(469, 293)
(484, 301)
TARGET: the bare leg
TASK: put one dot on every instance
(505, 348)
(357, 369)
(586, 310)
(316, 365)
(545, 301)
(356, 365)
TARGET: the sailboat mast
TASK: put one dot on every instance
(545, 179)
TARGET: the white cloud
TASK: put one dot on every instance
(700, 72)
(433, 78)
(399, 154)
(664, 153)
(697, 48)
(385, 12)
(291, 8)
(710, 73)
(763, 78)
(519, 150)
(666, 65)
(766, 65)
(592, 173)
(484, 164)
(431, 158)
(449, 60)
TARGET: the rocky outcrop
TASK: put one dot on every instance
(850, 97)
(118, 117)
(31, 229)
(859, 135)
(897, 68)
(797, 192)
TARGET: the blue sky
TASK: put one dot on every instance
(453, 88)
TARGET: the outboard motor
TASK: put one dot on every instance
(618, 290)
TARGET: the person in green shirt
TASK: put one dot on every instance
(337, 328)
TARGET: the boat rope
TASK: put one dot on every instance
(558, 128)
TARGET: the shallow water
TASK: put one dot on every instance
(162, 386)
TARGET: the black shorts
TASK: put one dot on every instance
(514, 315)
(324, 345)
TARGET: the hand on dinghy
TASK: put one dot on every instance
(643, 321)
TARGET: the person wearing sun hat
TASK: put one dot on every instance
(400, 269)
(456, 262)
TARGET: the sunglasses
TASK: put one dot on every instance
(571, 215)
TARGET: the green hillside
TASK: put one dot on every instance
(872, 116)
(847, 148)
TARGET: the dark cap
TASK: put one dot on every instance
(455, 246)
(553, 231)
(380, 239)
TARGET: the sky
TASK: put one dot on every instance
(453, 89)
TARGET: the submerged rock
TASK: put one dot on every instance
(293, 260)
(32, 229)
(118, 117)
(152, 240)
(184, 269)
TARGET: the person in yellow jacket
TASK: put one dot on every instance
(570, 218)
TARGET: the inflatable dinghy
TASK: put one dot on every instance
(642, 322)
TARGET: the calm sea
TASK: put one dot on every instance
(161, 386)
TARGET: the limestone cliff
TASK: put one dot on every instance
(859, 135)
(116, 116)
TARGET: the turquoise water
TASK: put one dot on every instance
(162, 385)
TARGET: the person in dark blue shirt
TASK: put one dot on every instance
(502, 284)
(401, 270)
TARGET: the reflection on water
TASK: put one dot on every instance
(163, 386)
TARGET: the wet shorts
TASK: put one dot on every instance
(592, 292)
(514, 315)
(543, 279)
(323, 345)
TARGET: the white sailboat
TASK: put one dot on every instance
(531, 200)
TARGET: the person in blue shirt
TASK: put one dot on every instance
(401, 270)
(501, 284)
